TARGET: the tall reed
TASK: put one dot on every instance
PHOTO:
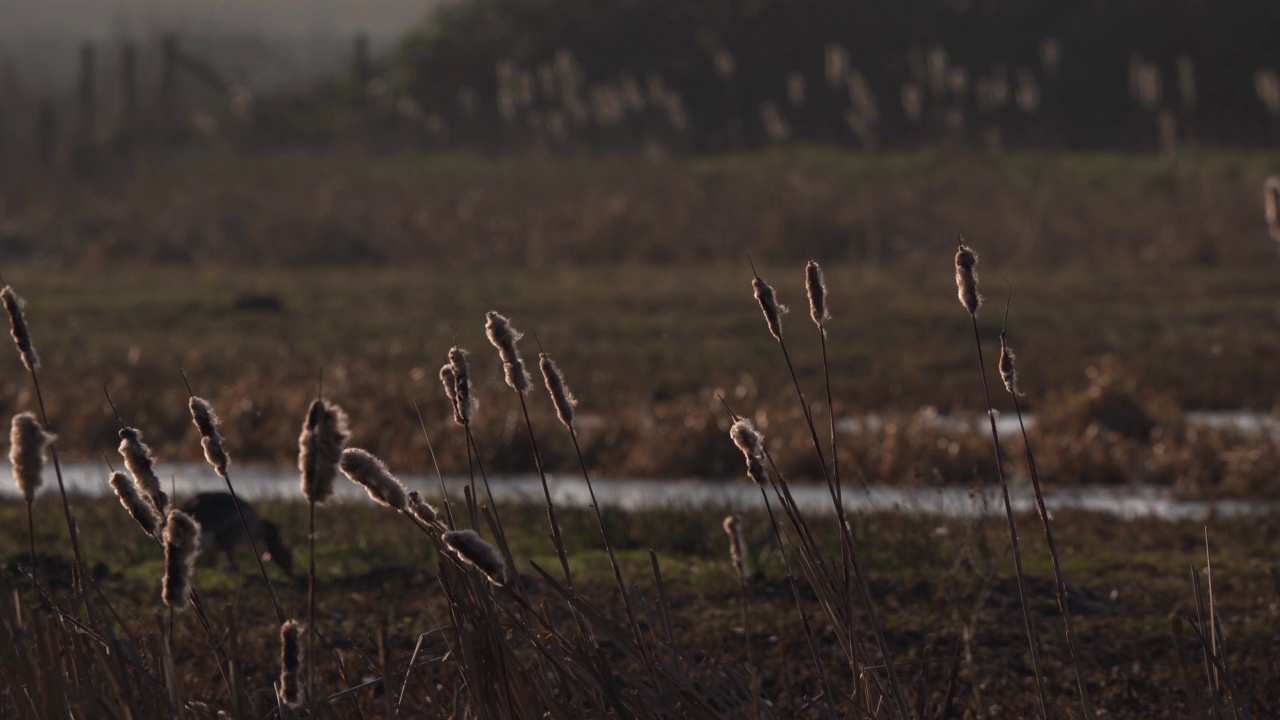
(13, 305)
(27, 443)
(206, 422)
(1009, 375)
(966, 262)
(320, 444)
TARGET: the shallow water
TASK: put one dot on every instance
(1129, 502)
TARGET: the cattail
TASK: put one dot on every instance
(21, 336)
(737, 546)
(751, 443)
(468, 547)
(422, 510)
(817, 287)
(291, 663)
(1271, 191)
(141, 464)
(181, 546)
(450, 382)
(1008, 373)
(967, 279)
(464, 401)
(324, 434)
(560, 395)
(504, 337)
(773, 312)
(364, 469)
(140, 508)
(27, 441)
(207, 423)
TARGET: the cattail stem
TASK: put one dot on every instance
(235, 500)
(1013, 528)
(311, 605)
(31, 537)
(80, 568)
(1060, 582)
(546, 491)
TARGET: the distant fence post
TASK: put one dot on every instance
(87, 109)
(168, 86)
(128, 95)
(47, 132)
(361, 66)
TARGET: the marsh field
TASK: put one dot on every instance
(1140, 292)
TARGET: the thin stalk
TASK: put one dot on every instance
(31, 537)
(1068, 624)
(444, 492)
(546, 490)
(311, 606)
(79, 570)
(244, 522)
(613, 560)
(1013, 529)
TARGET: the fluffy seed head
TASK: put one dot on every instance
(141, 464)
(967, 279)
(751, 443)
(291, 663)
(422, 510)
(207, 423)
(368, 471)
(27, 441)
(773, 311)
(737, 545)
(560, 395)
(181, 546)
(21, 336)
(468, 547)
(139, 507)
(816, 285)
(324, 434)
(464, 401)
(1008, 373)
(504, 337)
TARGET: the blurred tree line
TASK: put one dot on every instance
(711, 75)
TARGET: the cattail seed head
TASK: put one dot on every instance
(1271, 203)
(141, 465)
(291, 663)
(751, 443)
(468, 547)
(18, 323)
(207, 423)
(737, 546)
(27, 441)
(816, 285)
(1008, 373)
(504, 338)
(422, 510)
(967, 279)
(181, 546)
(773, 311)
(560, 395)
(324, 434)
(464, 400)
(139, 507)
(364, 469)
(450, 383)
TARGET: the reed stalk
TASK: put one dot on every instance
(967, 289)
(1009, 375)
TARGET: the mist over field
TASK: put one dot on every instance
(271, 43)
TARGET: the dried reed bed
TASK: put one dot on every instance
(519, 641)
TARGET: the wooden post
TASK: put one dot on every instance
(361, 66)
(168, 87)
(47, 132)
(128, 94)
(87, 109)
